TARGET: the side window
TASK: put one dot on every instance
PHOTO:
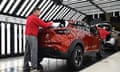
(79, 25)
(86, 27)
(82, 26)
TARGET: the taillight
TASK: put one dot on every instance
(62, 31)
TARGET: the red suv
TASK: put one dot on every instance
(71, 41)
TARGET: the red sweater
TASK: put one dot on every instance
(33, 24)
(103, 33)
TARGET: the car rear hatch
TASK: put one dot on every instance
(55, 37)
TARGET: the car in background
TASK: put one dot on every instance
(110, 41)
(70, 41)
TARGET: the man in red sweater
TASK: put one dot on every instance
(32, 29)
(103, 32)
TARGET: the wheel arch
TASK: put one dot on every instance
(73, 44)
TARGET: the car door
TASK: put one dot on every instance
(82, 34)
(96, 40)
(88, 37)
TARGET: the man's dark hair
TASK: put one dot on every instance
(36, 9)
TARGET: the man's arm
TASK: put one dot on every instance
(41, 23)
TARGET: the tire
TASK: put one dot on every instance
(101, 53)
(76, 58)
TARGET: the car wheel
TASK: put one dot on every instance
(76, 59)
(101, 53)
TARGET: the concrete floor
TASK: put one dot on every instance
(58, 65)
(110, 64)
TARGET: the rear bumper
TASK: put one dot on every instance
(52, 53)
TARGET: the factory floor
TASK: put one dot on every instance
(110, 64)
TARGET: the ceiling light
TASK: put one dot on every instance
(21, 9)
(44, 7)
(41, 4)
(14, 6)
(26, 9)
(53, 13)
(56, 11)
(2, 4)
(32, 8)
(8, 6)
(47, 14)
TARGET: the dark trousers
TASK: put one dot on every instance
(31, 52)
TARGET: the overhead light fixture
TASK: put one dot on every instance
(8, 6)
(15, 39)
(53, 12)
(62, 13)
(71, 15)
(26, 9)
(77, 15)
(67, 14)
(74, 16)
(42, 4)
(2, 38)
(14, 6)
(66, 10)
(44, 7)
(58, 15)
(48, 13)
(8, 39)
(20, 39)
(21, 9)
(58, 12)
(24, 41)
(113, 13)
(3, 4)
(32, 8)
(59, 7)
